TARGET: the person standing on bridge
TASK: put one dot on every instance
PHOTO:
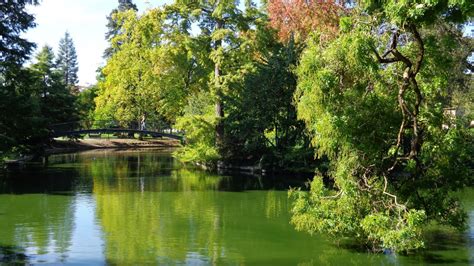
(143, 122)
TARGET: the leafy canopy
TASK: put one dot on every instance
(373, 101)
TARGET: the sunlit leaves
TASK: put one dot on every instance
(421, 11)
(153, 70)
(199, 122)
(349, 104)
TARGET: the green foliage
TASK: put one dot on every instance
(55, 98)
(378, 227)
(318, 212)
(114, 25)
(224, 26)
(85, 103)
(251, 85)
(268, 132)
(20, 122)
(384, 190)
(153, 70)
(337, 117)
(15, 20)
(32, 97)
(199, 124)
(159, 67)
(421, 11)
(20, 129)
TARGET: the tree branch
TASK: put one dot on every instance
(421, 46)
(384, 60)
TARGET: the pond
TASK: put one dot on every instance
(124, 207)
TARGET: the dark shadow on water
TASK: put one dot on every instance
(436, 241)
(240, 182)
(39, 185)
(63, 193)
(431, 258)
(11, 255)
(439, 240)
(41, 181)
(443, 241)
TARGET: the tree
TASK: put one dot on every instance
(261, 125)
(21, 125)
(373, 100)
(166, 65)
(224, 25)
(113, 26)
(56, 100)
(85, 103)
(199, 120)
(155, 70)
(162, 68)
(67, 61)
(15, 49)
(297, 18)
(44, 70)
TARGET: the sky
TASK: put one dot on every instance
(85, 20)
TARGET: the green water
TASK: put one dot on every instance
(107, 207)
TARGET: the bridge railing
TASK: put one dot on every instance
(150, 125)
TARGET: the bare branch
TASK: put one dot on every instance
(334, 196)
(384, 60)
(400, 206)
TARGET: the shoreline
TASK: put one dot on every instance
(90, 144)
(66, 146)
(70, 146)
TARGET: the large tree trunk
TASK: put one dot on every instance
(219, 104)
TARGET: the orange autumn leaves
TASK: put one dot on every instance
(298, 18)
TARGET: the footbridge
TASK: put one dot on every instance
(154, 129)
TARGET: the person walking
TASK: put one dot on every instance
(143, 122)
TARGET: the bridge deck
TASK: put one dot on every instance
(154, 128)
(154, 134)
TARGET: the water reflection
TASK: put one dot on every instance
(141, 207)
(170, 227)
(169, 217)
(36, 224)
(153, 211)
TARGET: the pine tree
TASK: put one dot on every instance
(45, 60)
(56, 101)
(67, 61)
(44, 69)
(113, 27)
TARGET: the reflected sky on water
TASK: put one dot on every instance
(124, 207)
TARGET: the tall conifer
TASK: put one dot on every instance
(56, 101)
(67, 61)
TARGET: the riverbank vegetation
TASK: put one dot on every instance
(359, 92)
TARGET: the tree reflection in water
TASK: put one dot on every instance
(144, 207)
(175, 216)
(43, 223)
